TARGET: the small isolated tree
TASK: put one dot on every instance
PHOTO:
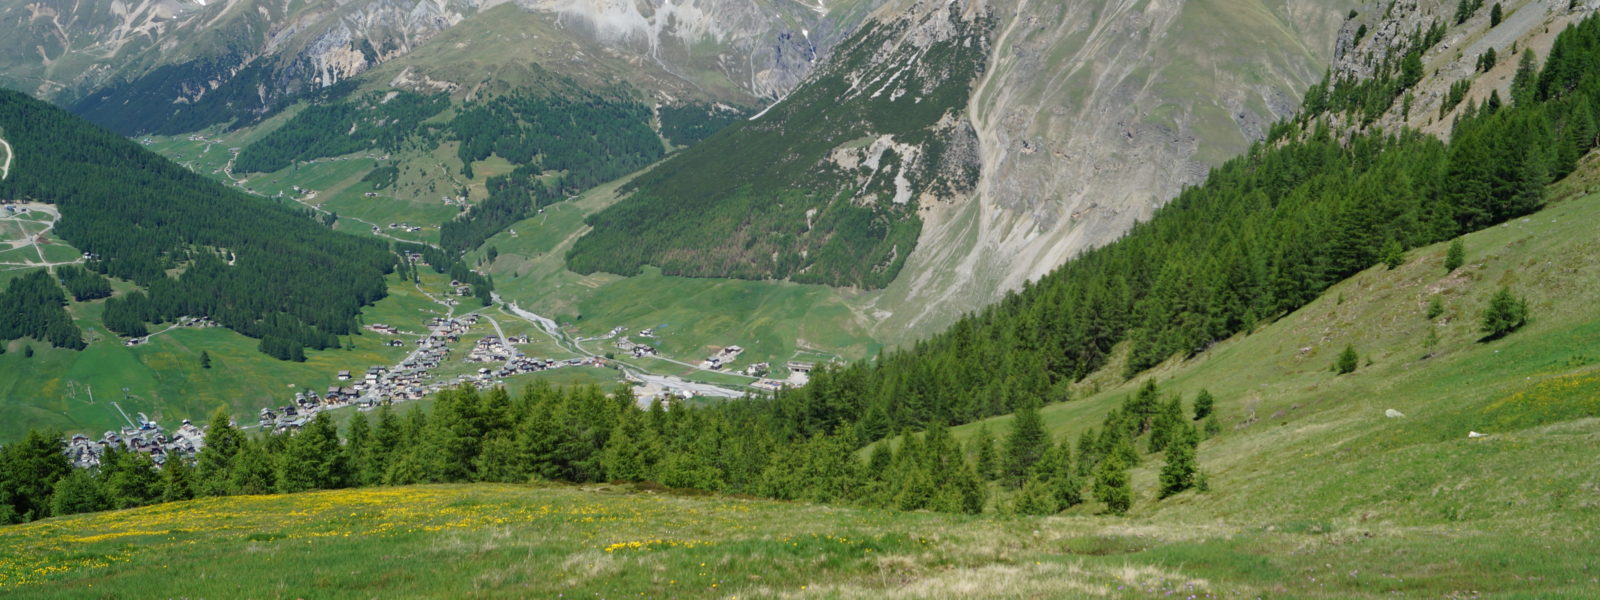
(1213, 426)
(27, 351)
(1347, 361)
(1435, 307)
(1455, 256)
(1506, 313)
(1393, 254)
(1112, 485)
(205, 359)
(1178, 474)
(1204, 404)
(1496, 14)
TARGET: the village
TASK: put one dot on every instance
(146, 437)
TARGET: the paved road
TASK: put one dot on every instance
(5, 169)
(549, 328)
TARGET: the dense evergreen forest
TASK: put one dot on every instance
(374, 121)
(762, 200)
(585, 435)
(562, 146)
(144, 105)
(195, 246)
(34, 306)
(688, 124)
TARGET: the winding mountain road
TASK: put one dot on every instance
(5, 168)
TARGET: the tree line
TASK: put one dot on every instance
(585, 435)
(562, 144)
(377, 120)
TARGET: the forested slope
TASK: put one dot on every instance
(195, 246)
(825, 185)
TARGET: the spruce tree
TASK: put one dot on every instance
(29, 469)
(205, 359)
(1204, 404)
(1177, 474)
(1506, 313)
(1347, 361)
(1036, 498)
(1213, 426)
(223, 443)
(358, 449)
(1112, 485)
(78, 492)
(252, 471)
(177, 480)
(1166, 424)
(1026, 443)
(1455, 256)
(129, 478)
(987, 462)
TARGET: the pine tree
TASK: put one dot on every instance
(1455, 256)
(1213, 426)
(1347, 361)
(223, 443)
(177, 480)
(1495, 15)
(1393, 254)
(1177, 474)
(129, 478)
(205, 359)
(313, 459)
(358, 449)
(1204, 404)
(984, 456)
(252, 471)
(1166, 424)
(78, 492)
(633, 450)
(501, 459)
(29, 470)
(1435, 307)
(1036, 498)
(1025, 444)
(1506, 313)
(1112, 485)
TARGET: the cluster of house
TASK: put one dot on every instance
(460, 288)
(14, 210)
(637, 350)
(404, 227)
(722, 358)
(491, 348)
(456, 201)
(306, 404)
(146, 438)
(198, 322)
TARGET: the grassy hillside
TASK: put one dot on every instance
(1315, 493)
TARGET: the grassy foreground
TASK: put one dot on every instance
(520, 541)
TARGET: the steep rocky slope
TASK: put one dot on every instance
(179, 65)
(1084, 117)
(1093, 114)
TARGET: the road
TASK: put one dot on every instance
(549, 328)
(5, 169)
(32, 239)
(227, 170)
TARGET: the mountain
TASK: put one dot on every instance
(176, 66)
(1076, 120)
